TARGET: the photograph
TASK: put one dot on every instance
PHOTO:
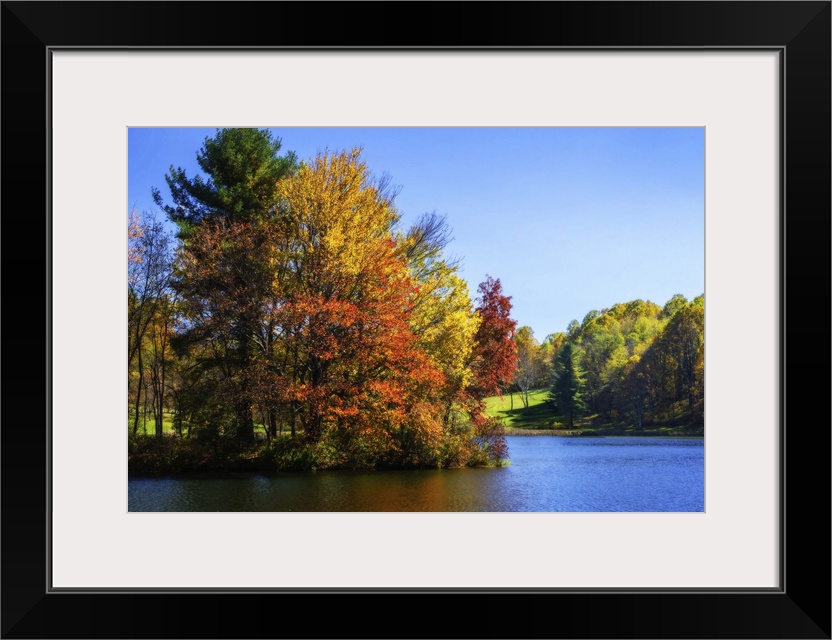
(415, 316)
(416, 319)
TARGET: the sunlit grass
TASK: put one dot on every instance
(538, 415)
(148, 426)
(540, 418)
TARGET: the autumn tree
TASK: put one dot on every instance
(221, 219)
(356, 371)
(495, 352)
(443, 317)
(664, 375)
(635, 388)
(149, 265)
(549, 350)
(302, 305)
(221, 278)
(159, 357)
(683, 342)
(601, 337)
(573, 330)
(673, 305)
(527, 374)
(608, 340)
(634, 362)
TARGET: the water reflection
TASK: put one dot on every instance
(547, 474)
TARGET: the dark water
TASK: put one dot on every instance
(546, 474)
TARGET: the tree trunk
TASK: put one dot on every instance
(638, 407)
(157, 406)
(138, 396)
(144, 410)
(245, 423)
(272, 424)
(178, 416)
(312, 428)
(160, 424)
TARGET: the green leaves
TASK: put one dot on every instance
(243, 171)
(568, 386)
(634, 362)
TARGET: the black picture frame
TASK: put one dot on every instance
(799, 608)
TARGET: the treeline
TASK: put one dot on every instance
(634, 363)
(291, 304)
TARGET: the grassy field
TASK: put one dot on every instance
(540, 418)
(538, 415)
(149, 426)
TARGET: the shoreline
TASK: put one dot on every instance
(675, 432)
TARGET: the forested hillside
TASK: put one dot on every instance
(635, 363)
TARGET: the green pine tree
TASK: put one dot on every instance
(242, 170)
(568, 387)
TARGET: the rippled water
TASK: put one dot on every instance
(546, 474)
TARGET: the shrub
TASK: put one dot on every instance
(491, 447)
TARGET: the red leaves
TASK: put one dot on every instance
(305, 316)
(495, 353)
(351, 359)
(489, 434)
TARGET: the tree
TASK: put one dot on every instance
(352, 369)
(159, 335)
(443, 317)
(223, 220)
(243, 169)
(567, 389)
(589, 317)
(667, 369)
(573, 330)
(599, 340)
(528, 362)
(149, 265)
(549, 350)
(495, 352)
(303, 306)
(635, 387)
(684, 340)
(673, 305)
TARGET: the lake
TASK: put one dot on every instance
(547, 474)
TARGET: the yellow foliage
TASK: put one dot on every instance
(334, 207)
(444, 320)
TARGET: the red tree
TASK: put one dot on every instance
(495, 352)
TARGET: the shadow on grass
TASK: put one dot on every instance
(539, 416)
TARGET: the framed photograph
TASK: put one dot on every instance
(753, 77)
(337, 416)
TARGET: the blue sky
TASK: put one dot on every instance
(568, 219)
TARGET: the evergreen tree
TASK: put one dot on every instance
(568, 388)
(243, 170)
(220, 219)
